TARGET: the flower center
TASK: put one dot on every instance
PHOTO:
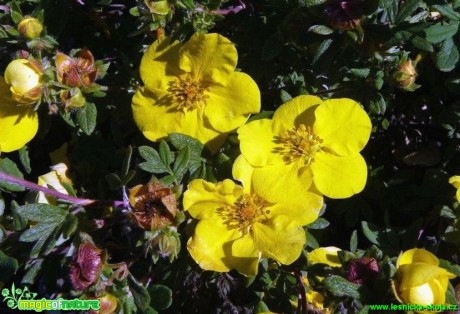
(247, 210)
(188, 93)
(298, 143)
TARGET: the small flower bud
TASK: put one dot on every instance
(72, 98)
(76, 72)
(404, 77)
(153, 206)
(164, 244)
(344, 14)
(24, 78)
(108, 304)
(30, 27)
(362, 270)
(87, 266)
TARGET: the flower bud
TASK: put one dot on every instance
(419, 279)
(404, 76)
(24, 78)
(87, 266)
(76, 72)
(164, 244)
(362, 270)
(30, 27)
(153, 206)
(344, 14)
(108, 304)
(72, 98)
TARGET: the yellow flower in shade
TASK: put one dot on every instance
(18, 124)
(53, 179)
(24, 78)
(455, 181)
(308, 144)
(193, 89)
(237, 227)
(419, 279)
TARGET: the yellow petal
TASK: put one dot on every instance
(455, 181)
(160, 64)
(242, 171)
(22, 76)
(53, 179)
(343, 126)
(279, 238)
(206, 246)
(257, 143)
(417, 255)
(18, 124)
(281, 183)
(229, 107)
(242, 255)
(339, 177)
(298, 110)
(325, 255)
(422, 295)
(416, 274)
(203, 199)
(304, 208)
(156, 117)
(210, 57)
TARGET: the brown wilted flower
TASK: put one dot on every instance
(362, 270)
(344, 14)
(76, 72)
(153, 206)
(87, 266)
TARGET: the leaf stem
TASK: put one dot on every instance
(72, 199)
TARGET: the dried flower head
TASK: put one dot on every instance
(87, 266)
(153, 206)
(362, 270)
(76, 72)
(344, 14)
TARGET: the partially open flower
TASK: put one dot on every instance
(153, 206)
(87, 266)
(72, 98)
(362, 270)
(76, 72)
(30, 27)
(404, 76)
(24, 78)
(344, 14)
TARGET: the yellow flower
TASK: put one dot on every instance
(237, 227)
(419, 279)
(25, 80)
(53, 179)
(18, 124)
(455, 181)
(30, 27)
(308, 143)
(193, 89)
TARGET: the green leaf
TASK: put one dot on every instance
(320, 30)
(32, 271)
(126, 161)
(407, 9)
(2, 205)
(114, 181)
(42, 213)
(181, 163)
(165, 153)
(285, 96)
(160, 296)
(9, 167)
(371, 232)
(354, 241)
(313, 3)
(452, 268)
(15, 11)
(86, 118)
(325, 45)
(41, 230)
(45, 244)
(180, 141)
(153, 163)
(8, 267)
(319, 223)
(271, 48)
(421, 44)
(25, 160)
(447, 12)
(341, 287)
(440, 32)
(140, 294)
(447, 57)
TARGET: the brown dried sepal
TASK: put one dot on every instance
(76, 72)
(87, 266)
(153, 206)
(344, 14)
